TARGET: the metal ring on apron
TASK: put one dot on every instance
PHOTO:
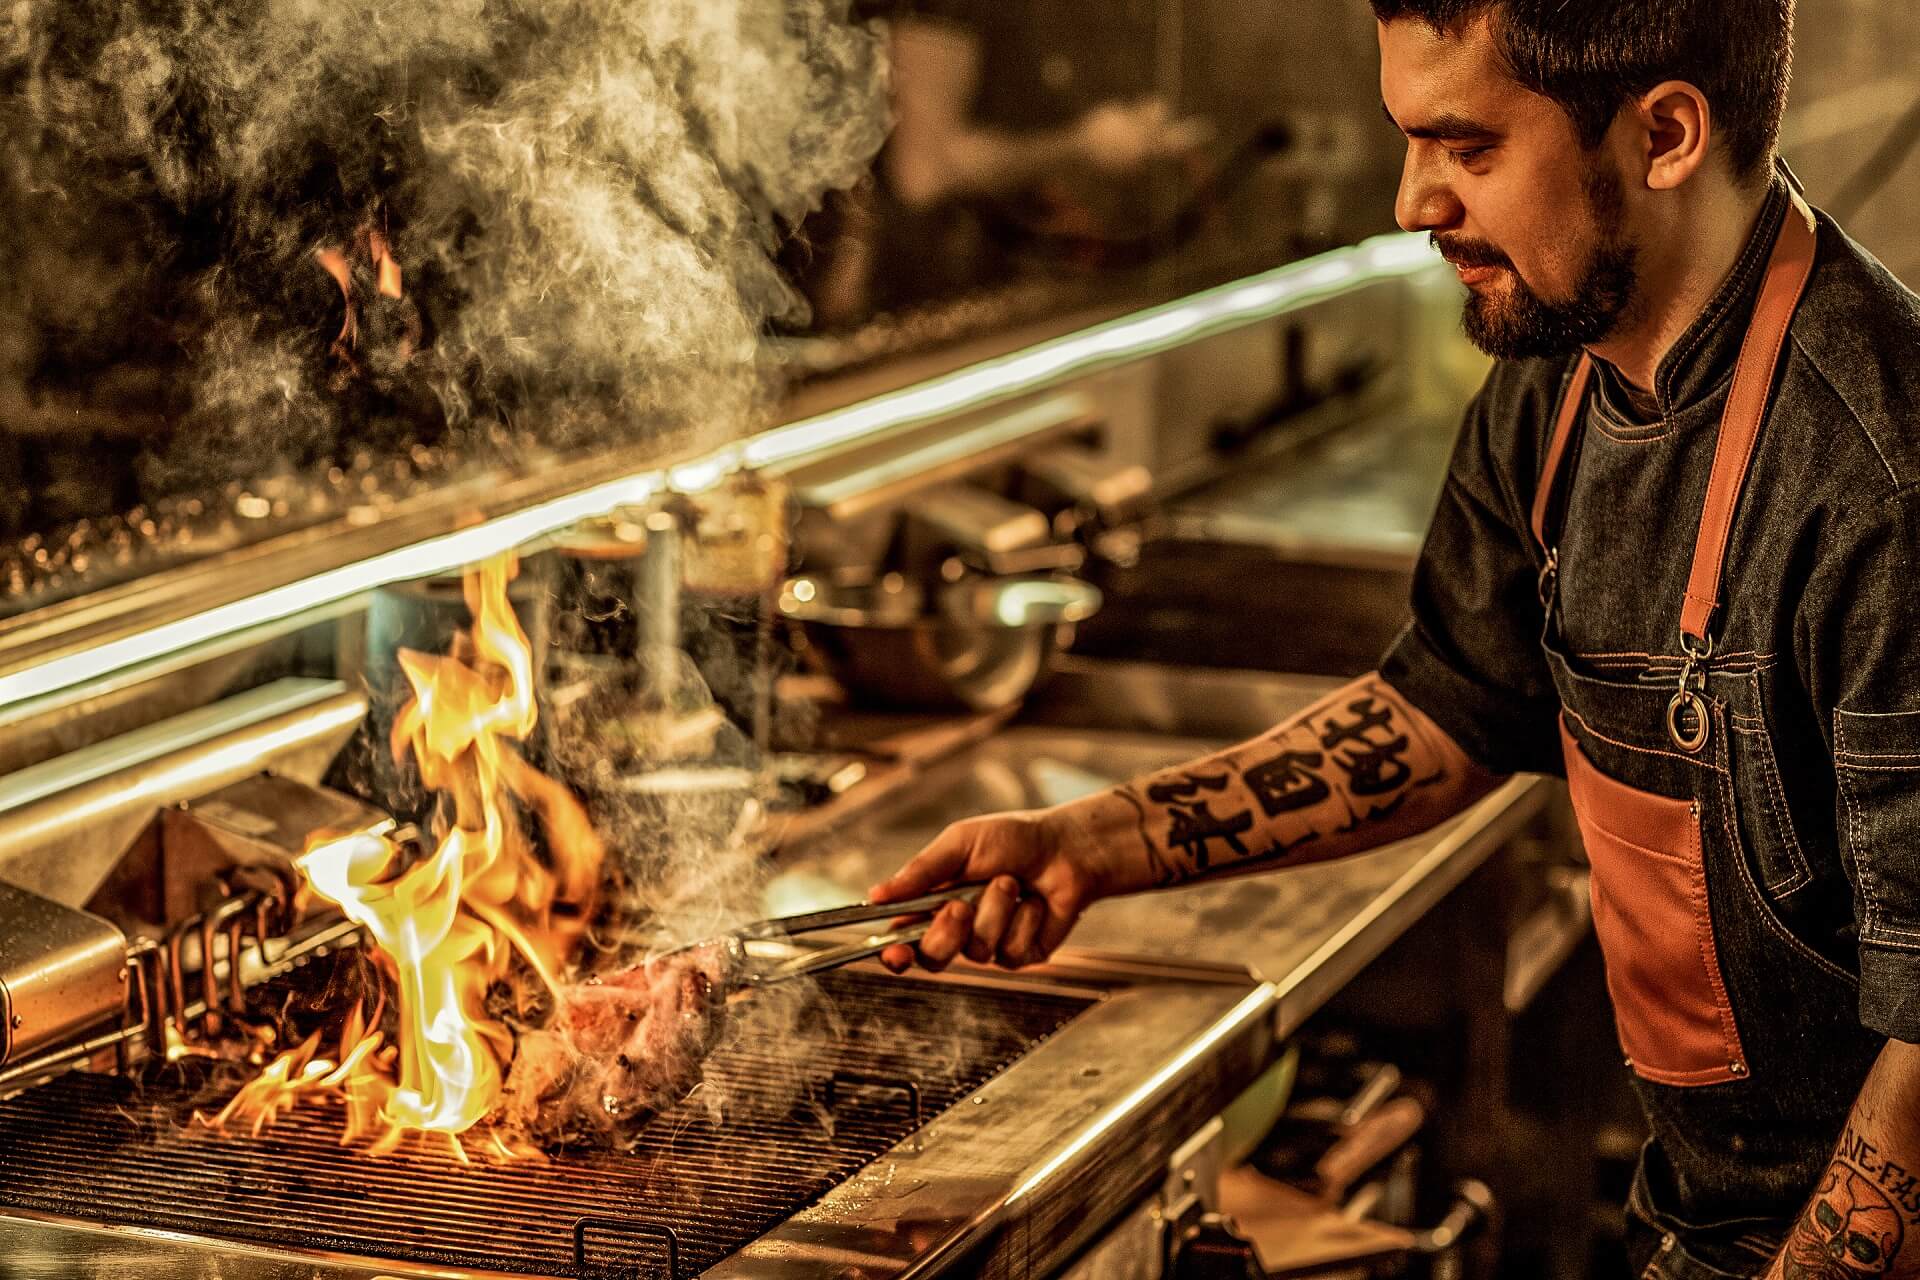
(1687, 721)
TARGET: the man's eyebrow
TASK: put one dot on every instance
(1445, 127)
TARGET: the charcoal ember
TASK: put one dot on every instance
(620, 1048)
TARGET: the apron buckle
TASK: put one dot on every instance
(1687, 721)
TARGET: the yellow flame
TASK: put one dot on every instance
(449, 924)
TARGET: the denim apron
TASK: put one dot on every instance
(1735, 1029)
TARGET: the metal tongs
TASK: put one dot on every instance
(734, 941)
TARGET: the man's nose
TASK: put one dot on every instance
(1426, 201)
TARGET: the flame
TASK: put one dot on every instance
(337, 261)
(450, 924)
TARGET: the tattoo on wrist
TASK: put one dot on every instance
(1349, 762)
(1858, 1218)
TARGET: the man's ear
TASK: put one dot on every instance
(1676, 122)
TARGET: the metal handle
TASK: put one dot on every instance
(1473, 1206)
(858, 913)
(833, 957)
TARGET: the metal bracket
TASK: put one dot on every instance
(666, 1235)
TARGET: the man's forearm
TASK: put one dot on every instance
(1358, 769)
(1864, 1218)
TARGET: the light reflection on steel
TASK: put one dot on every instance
(1127, 338)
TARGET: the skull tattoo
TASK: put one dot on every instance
(1851, 1229)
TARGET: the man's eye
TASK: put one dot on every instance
(1469, 155)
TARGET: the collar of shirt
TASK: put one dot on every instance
(1696, 365)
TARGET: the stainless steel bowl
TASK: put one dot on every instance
(978, 644)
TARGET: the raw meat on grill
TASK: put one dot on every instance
(620, 1047)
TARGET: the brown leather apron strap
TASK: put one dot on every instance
(1753, 378)
(1571, 405)
(1788, 270)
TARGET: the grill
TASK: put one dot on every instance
(894, 1053)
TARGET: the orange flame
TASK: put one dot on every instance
(449, 925)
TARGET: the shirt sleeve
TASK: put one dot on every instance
(1470, 658)
(1862, 617)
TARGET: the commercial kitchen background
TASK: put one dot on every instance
(1211, 381)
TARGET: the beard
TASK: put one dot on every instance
(1520, 324)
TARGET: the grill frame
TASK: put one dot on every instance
(687, 1188)
(1069, 1137)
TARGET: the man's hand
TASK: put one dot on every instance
(1357, 769)
(1040, 878)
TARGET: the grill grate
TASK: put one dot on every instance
(92, 1147)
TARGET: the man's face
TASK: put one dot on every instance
(1531, 220)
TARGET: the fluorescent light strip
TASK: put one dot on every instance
(422, 559)
(1128, 337)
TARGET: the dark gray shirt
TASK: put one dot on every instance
(1820, 598)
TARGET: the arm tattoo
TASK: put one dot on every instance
(1344, 764)
(1164, 872)
(1858, 1217)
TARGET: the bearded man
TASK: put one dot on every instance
(1673, 562)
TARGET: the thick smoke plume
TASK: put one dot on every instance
(581, 198)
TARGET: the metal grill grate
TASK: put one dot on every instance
(91, 1147)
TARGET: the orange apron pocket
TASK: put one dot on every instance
(1650, 912)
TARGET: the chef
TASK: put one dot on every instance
(1675, 561)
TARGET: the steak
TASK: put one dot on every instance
(619, 1048)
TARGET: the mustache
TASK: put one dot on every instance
(1462, 252)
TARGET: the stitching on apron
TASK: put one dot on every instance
(1660, 854)
(1650, 751)
(1802, 874)
(1703, 927)
(1724, 664)
(1783, 825)
(1601, 427)
(1776, 797)
(1862, 876)
(1764, 910)
(1687, 1079)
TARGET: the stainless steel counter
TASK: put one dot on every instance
(1307, 930)
(1363, 493)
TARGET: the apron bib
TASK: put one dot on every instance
(1735, 1029)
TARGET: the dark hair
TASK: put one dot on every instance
(1593, 56)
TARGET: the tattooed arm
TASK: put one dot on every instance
(1358, 769)
(1864, 1218)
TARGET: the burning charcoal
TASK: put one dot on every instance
(621, 1047)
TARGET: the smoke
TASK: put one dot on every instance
(582, 200)
(680, 799)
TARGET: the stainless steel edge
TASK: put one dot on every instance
(1012, 1181)
(1449, 856)
(857, 481)
(192, 588)
(65, 823)
(39, 1247)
